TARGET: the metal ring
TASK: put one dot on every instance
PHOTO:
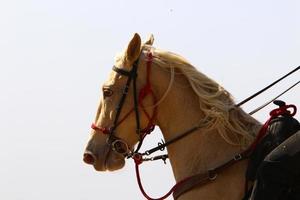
(237, 157)
(160, 144)
(119, 146)
(212, 175)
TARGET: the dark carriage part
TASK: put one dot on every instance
(280, 128)
(279, 132)
(278, 176)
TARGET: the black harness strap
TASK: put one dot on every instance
(135, 99)
(201, 124)
(272, 100)
(264, 89)
(122, 71)
(131, 76)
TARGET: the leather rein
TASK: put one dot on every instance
(120, 146)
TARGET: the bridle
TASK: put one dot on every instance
(117, 144)
(120, 146)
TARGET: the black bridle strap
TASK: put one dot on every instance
(120, 105)
(137, 113)
(201, 124)
(136, 103)
(267, 103)
(122, 71)
(131, 75)
(137, 98)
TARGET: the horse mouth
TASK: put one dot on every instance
(109, 161)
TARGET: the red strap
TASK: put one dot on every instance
(138, 160)
(262, 132)
(283, 110)
(144, 92)
(102, 129)
(147, 88)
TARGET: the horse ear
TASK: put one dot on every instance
(150, 40)
(134, 48)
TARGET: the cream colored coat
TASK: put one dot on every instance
(185, 97)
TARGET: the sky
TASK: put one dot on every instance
(54, 56)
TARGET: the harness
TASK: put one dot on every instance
(116, 143)
(120, 146)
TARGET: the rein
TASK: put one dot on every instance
(267, 87)
(120, 146)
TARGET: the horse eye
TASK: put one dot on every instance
(107, 92)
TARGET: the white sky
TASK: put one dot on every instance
(54, 56)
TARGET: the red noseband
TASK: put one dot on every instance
(101, 129)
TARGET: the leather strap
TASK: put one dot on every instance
(196, 180)
(204, 178)
(122, 71)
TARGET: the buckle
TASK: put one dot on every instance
(237, 157)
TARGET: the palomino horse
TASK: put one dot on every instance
(152, 87)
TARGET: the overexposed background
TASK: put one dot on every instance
(54, 56)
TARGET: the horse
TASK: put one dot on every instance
(177, 98)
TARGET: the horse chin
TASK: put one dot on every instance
(116, 163)
(112, 162)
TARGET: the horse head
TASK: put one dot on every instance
(124, 111)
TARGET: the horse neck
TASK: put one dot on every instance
(199, 151)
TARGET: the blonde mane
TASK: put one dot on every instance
(214, 100)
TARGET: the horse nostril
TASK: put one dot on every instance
(89, 158)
